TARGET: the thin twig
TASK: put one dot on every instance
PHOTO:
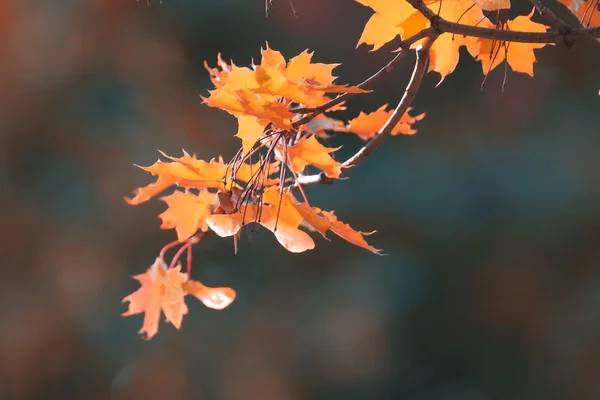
(409, 95)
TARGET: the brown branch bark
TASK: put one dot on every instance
(552, 19)
(403, 105)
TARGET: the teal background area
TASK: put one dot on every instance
(490, 217)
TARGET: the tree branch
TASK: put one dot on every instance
(366, 84)
(550, 17)
(443, 26)
(403, 105)
(564, 34)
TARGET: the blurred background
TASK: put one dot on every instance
(490, 217)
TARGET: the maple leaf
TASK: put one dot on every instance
(323, 221)
(367, 125)
(189, 172)
(313, 218)
(309, 151)
(164, 289)
(187, 212)
(391, 18)
(519, 56)
(145, 193)
(585, 10)
(322, 123)
(266, 90)
(398, 17)
(161, 289)
(347, 233)
(250, 129)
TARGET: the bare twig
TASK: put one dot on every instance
(384, 132)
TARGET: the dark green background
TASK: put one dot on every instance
(490, 216)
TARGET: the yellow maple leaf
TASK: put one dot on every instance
(366, 125)
(391, 18)
(309, 151)
(161, 289)
(585, 10)
(520, 56)
(187, 212)
(265, 90)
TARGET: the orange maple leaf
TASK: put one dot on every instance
(585, 10)
(187, 212)
(367, 125)
(190, 172)
(164, 289)
(265, 90)
(308, 151)
(161, 290)
(394, 18)
(519, 56)
(346, 232)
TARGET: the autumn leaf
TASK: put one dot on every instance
(367, 125)
(519, 56)
(309, 151)
(164, 289)
(187, 212)
(398, 17)
(444, 53)
(322, 123)
(585, 10)
(189, 172)
(200, 173)
(347, 233)
(145, 193)
(391, 18)
(245, 102)
(313, 218)
(161, 289)
(265, 90)
(250, 129)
